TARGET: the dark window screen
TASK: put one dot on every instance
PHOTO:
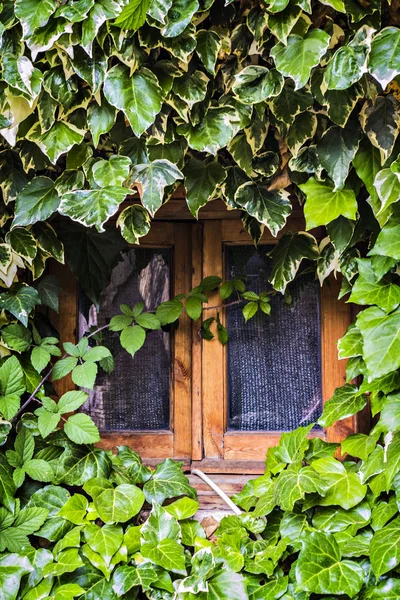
(274, 366)
(136, 395)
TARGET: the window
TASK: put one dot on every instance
(195, 400)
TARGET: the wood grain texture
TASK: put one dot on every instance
(335, 318)
(150, 445)
(252, 446)
(212, 351)
(182, 354)
(197, 408)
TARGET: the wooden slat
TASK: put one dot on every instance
(335, 318)
(213, 357)
(233, 231)
(182, 397)
(252, 446)
(66, 320)
(243, 467)
(197, 409)
(150, 445)
(160, 234)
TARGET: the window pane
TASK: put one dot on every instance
(136, 394)
(274, 366)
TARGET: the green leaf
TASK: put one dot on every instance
(152, 179)
(191, 87)
(179, 16)
(348, 63)
(300, 55)
(202, 181)
(125, 578)
(112, 172)
(303, 128)
(208, 47)
(385, 548)
(71, 401)
(100, 119)
(11, 377)
(139, 95)
(19, 300)
(254, 84)
(381, 340)
(81, 429)
(60, 138)
(351, 343)
(104, 540)
(341, 487)
(120, 504)
(287, 255)
(34, 15)
(320, 570)
(134, 222)
(84, 375)
(62, 367)
(23, 243)
(168, 481)
(384, 57)
(36, 202)
(367, 289)
(133, 338)
(345, 402)
(184, 508)
(381, 121)
(336, 149)
(40, 358)
(92, 207)
(387, 186)
(169, 311)
(167, 554)
(271, 208)
(213, 132)
(67, 562)
(324, 204)
(133, 15)
(249, 310)
(12, 568)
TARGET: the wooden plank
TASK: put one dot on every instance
(160, 234)
(66, 320)
(233, 231)
(253, 446)
(150, 445)
(213, 357)
(335, 318)
(182, 397)
(197, 409)
(244, 467)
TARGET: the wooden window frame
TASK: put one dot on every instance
(198, 434)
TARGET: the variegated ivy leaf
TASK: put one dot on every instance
(208, 46)
(191, 87)
(201, 181)
(287, 256)
(134, 222)
(133, 15)
(381, 122)
(112, 172)
(100, 119)
(34, 14)
(152, 179)
(271, 208)
(179, 16)
(139, 95)
(43, 39)
(36, 202)
(21, 75)
(76, 12)
(348, 63)
(92, 207)
(214, 131)
(336, 150)
(281, 24)
(254, 84)
(23, 243)
(158, 10)
(57, 140)
(90, 69)
(101, 11)
(290, 103)
(20, 300)
(300, 55)
(324, 205)
(302, 129)
(387, 185)
(384, 58)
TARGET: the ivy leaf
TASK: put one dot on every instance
(290, 103)
(386, 243)
(381, 343)
(341, 487)
(367, 289)
(384, 57)
(12, 568)
(133, 15)
(112, 172)
(381, 122)
(119, 504)
(34, 15)
(60, 138)
(320, 570)
(271, 208)
(125, 578)
(167, 554)
(348, 63)
(81, 429)
(168, 481)
(345, 402)
(191, 87)
(300, 55)
(134, 222)
(213, 132)
(208, 46)
(139, 95)
(201, 181)
(19, 300)
(324, 204)
(302, 129)
(179, 16)
(287, 256)
(92, 207)
(336, 149)
(385, 548)
(36, 202)
(387, 186)
(254, 84)
(152, 179)
(100, 119)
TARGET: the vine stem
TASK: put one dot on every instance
(49, 372)
(223, 305)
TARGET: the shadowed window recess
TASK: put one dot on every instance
(274, 362)
(136, 395)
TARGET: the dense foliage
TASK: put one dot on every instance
(264, 104)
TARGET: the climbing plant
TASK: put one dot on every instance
(270, 106)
